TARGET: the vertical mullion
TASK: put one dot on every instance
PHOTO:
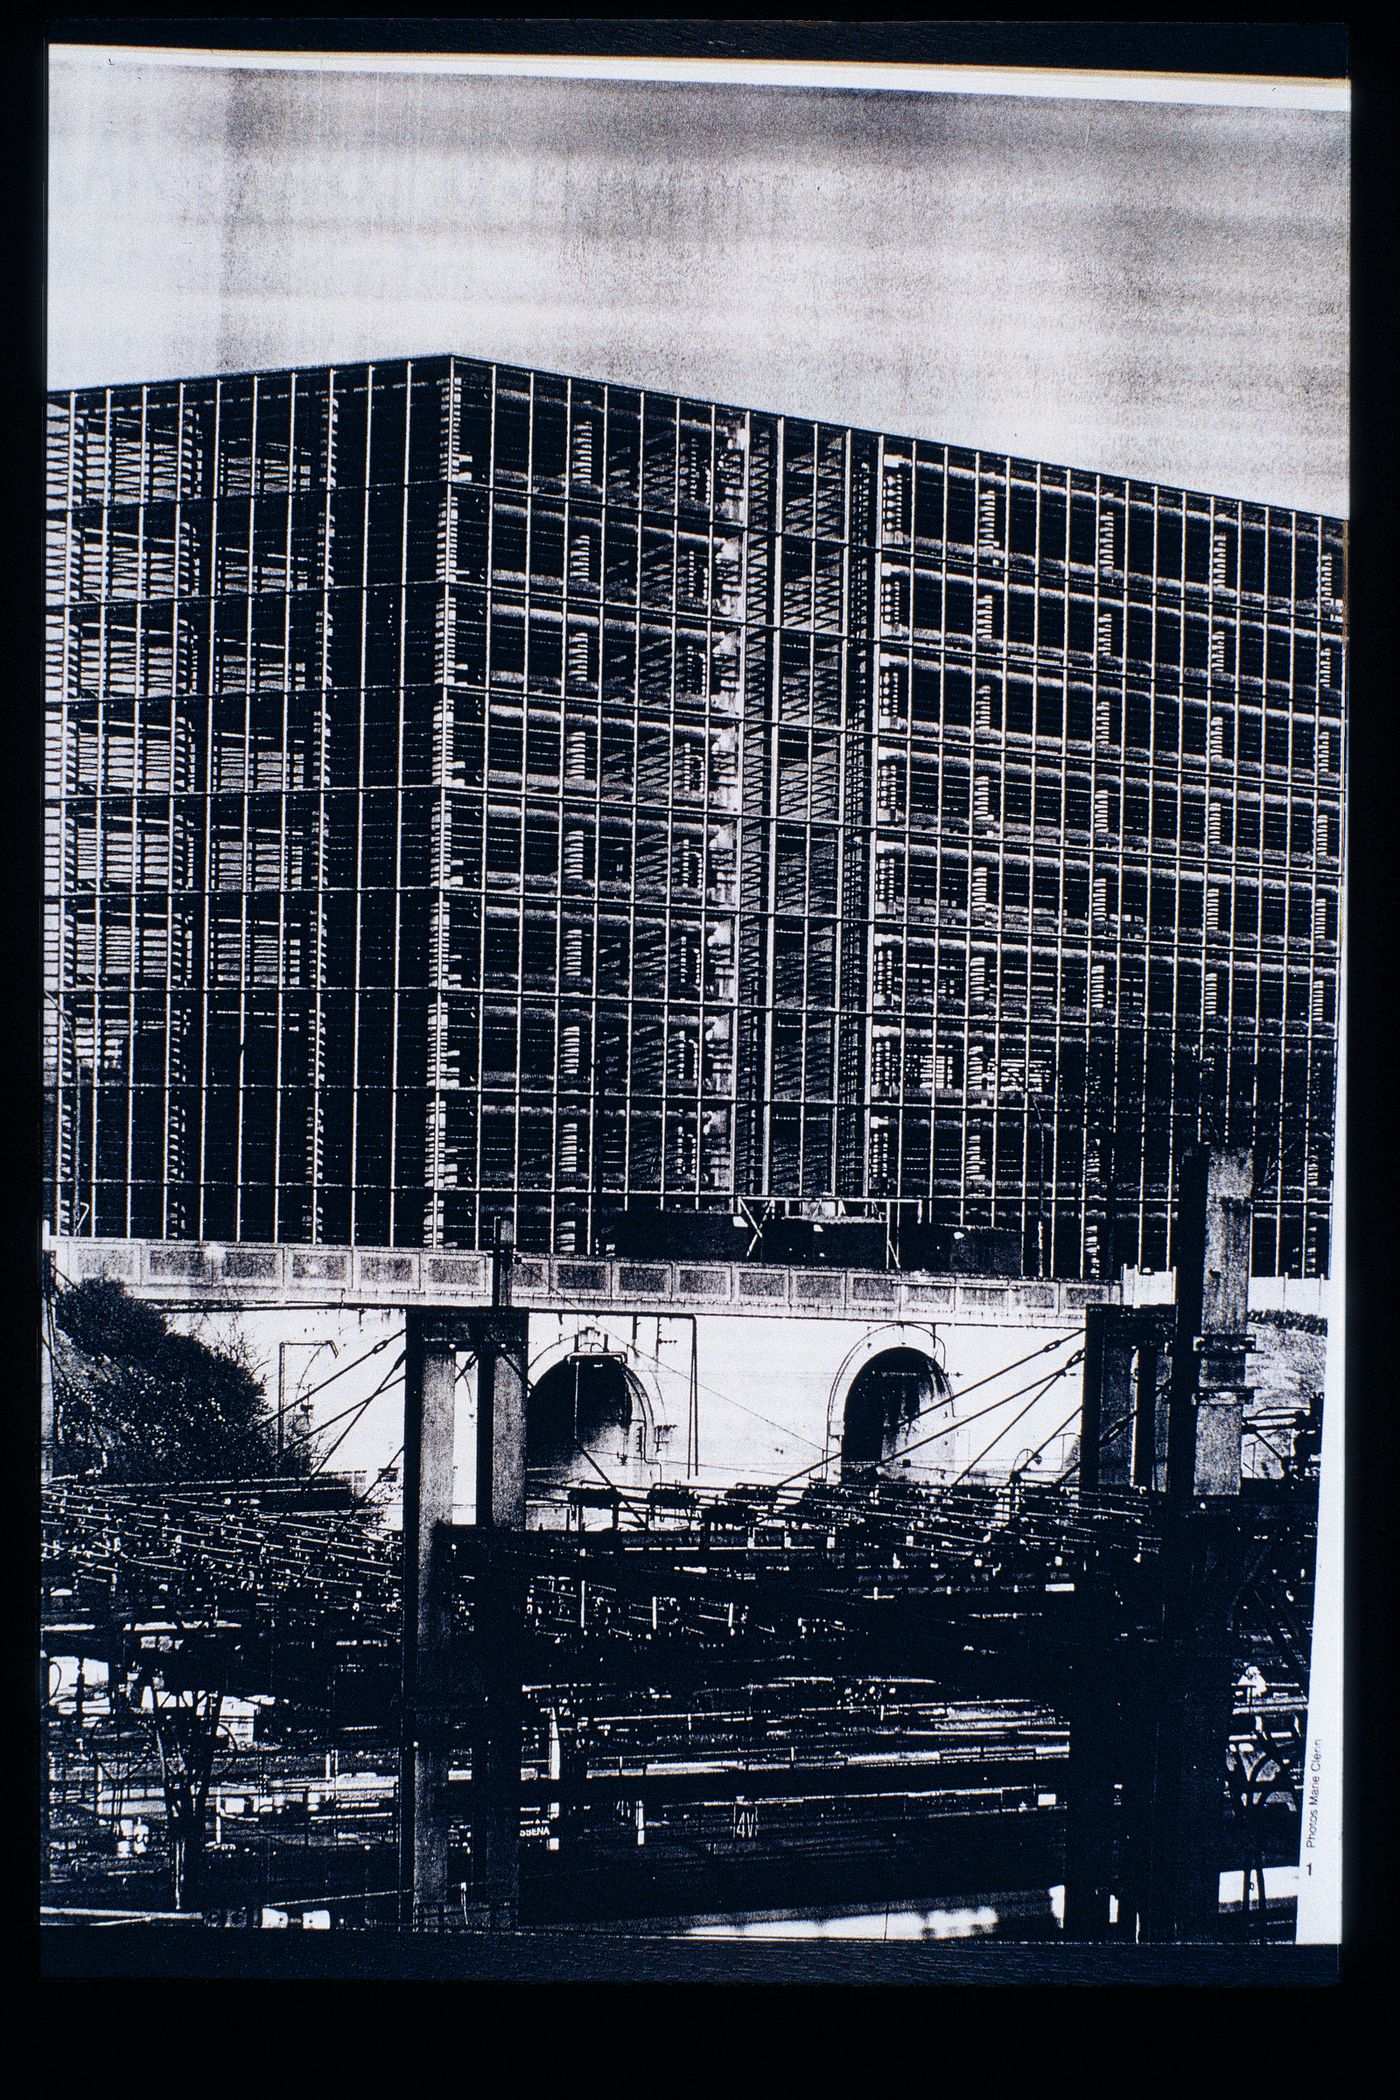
(630, 1180)
(1093, 948)
(775, 633)
(478, 1004)
(249, 775)
(851, 834)
(359, 792)
(208, 969)
(904, 1105)
(850, 732)
(280, 967)
(317, 959)
(138, 723)
(1317, 1029)
(398, 906)
(1050, 1228)
(1116, 1192)
(568, 1108)
(1216, 609)
(965, 930)
(595, 722)
(64, 1003)
(1175, 943)
(559, 1116)
(179, 617)
(100, 805)
(1004, 469)
(672, 933)
(1033, 1025)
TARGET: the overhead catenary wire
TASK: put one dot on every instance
(935, 1435)
(784, 1428)
(585, 1454)
(1283, 1457)
(306, 1436)
(48, 1339)
(358, 1409)
(390, 1379)
(1112, 1430)
(1042, 1387)
(380, 1480)
(964, 1421)
(377, 1349)
(1045, 1349)
(303, 1436)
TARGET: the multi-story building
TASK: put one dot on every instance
(476, 792)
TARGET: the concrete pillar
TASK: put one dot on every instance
(1211, 1339)
(1094, 1741)
(502, 1382)
(500, 1339)
(1110, 1397)
(1183, 1681)
(1188, 1821)
(430, 1377)
(1151, 1412)
(1091, 1404)
(1119, 1405)
(497, 1744)
(1177, 1811)
(46, 1408)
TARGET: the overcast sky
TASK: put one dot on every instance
(1151, 289)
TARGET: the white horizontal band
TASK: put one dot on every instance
(1224, 90)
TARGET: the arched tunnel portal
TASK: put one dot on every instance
(589, 1419)
(888, 1398)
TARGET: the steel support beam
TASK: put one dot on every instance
(1153, 1406)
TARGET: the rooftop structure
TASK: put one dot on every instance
(480, 794)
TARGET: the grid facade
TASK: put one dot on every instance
(475, 792)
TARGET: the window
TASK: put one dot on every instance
(894, 687)
(894, 501)
(894, 601)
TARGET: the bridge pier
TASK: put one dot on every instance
(430, 1380)
(1206, 1424)
(1095, 1748)
(498, 1339)
(497, 1740)
(1167, 1752)
(1123, 1435)
(1177, 1809)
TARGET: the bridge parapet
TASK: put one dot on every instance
(241, 1275)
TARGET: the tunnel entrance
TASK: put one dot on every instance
(586, 1403)
(887, 1399)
